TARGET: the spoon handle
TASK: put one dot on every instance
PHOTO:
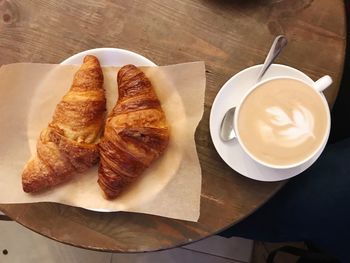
(278, 44)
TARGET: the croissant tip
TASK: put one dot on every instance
(129, 66)
(26, 189)
(107, 193)
(29, 187)
(124, 69)
(90, 57)
(108, 197)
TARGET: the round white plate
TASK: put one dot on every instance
(231, 152)
(110, 57)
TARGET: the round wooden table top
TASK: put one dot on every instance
(228, 35)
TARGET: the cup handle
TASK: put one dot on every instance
(323, 83)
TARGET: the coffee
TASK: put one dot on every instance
(283, 122)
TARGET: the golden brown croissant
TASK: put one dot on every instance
(136, 133)
(69, 143)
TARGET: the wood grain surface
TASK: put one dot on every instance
(228, 35)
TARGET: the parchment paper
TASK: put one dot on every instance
(171, 187)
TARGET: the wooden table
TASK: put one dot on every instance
(227, 35)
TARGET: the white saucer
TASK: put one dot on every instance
(231, 152)
(110, 57)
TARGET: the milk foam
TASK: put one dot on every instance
(284, 130)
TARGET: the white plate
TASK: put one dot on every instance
(231, 152)
(110, 57)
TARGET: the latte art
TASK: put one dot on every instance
(288, 131)
(282, 122)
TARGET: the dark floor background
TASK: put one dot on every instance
(341, 110)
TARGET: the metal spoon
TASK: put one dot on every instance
(227, 131)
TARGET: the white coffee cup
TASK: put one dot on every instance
(276, 132)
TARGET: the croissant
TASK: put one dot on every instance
(69, 143)
(135, 135)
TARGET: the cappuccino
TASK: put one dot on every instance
(283, 122)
